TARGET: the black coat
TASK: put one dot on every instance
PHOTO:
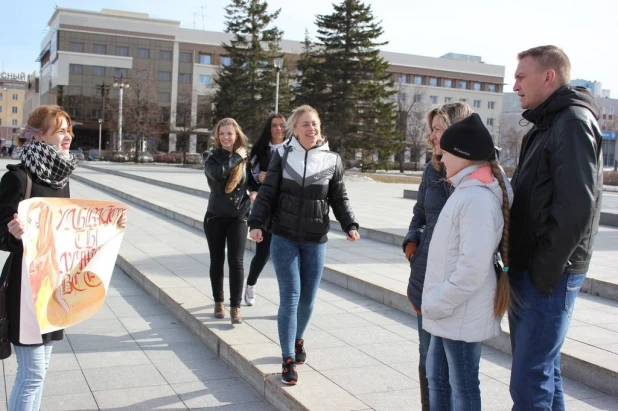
(558, 187)
(295, 196)
(432, 195)
(12, 191)
(218, 165)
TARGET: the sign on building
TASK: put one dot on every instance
(13, 76)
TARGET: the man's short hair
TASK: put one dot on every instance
(550, 57)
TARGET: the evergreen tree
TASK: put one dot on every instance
(311, 84)
(357, 106)
(246, 87)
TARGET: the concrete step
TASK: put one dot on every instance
(589, 355)
(602, 286)
(608, 218)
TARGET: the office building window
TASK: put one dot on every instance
(490, 122)
(121, 72)
(165, 76)
(0, 96)
(491, 105)
(143, 53)
(74, 90)
(226, 60)
(205, 79)
(462, 85)
(76, 69)
(418, 80)
(165, 55)
(0, 121)
(98, 71)
(205, 59)
(184, 77)
(476, 86)
(0, 109)
(418, 97)
(13, 122)
(14, 110)
(447, 99)
(164, 97)
(15, 97)
(77, 47)
(477, 103)
(185, 57)
(122, 51)
(447, 83)
(99, 49)
(433, 81)
(433, 99)
(491, 88)
(402, 79)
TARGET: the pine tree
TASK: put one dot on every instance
(357, 107)
(246, 87)
(311, 84)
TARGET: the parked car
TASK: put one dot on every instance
(79, 154)
(94, 155)
(144, 157)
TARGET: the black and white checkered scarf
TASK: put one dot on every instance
(50, 165)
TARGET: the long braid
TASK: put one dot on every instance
(502, 299)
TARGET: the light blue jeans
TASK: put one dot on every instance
(32, 365)
(299, 269)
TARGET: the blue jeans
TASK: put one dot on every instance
(299, 269)
(538, 329)
(32, 364)
(424, 338)
(453, 374)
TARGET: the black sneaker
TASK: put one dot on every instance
(289, 375)
(299, 350)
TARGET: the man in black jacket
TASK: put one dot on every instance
(554, 219)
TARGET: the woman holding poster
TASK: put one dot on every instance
(46, 162)
(226, 217)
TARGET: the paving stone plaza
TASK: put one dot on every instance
(155, 344)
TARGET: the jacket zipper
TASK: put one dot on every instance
(302, 192)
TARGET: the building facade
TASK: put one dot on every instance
(12, 91)
(85, 52)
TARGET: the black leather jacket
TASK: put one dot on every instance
(218, 164)
(558, 187)
(294, 197)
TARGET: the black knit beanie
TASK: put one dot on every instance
(469, 139)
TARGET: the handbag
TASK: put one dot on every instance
(5, 341)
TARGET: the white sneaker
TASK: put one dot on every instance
(250, 294)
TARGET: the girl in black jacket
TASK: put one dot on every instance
(226, 216)
(273, 137)
(303, 179)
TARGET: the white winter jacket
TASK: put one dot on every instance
(460, 282)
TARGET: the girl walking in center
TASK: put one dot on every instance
(226, 217)
(432, 195)
(464, 296)
(270, 140)
(303, 179)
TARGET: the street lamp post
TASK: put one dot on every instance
(120, 83)
(100, 132)
(278, 64)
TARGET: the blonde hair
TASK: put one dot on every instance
(503, 297)
(44, 262)
(241, 141)
(296, 115)
(449, 114)
(42, 119)
(550, 58)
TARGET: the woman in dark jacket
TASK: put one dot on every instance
(303, 179)
(45, 157)
(226, 217)
(272, 137)
(432, 195)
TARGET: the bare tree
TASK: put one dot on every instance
(411, 123)
(194, 116)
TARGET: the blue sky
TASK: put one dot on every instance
(493, 29)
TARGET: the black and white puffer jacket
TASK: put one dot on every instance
(299, 187)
